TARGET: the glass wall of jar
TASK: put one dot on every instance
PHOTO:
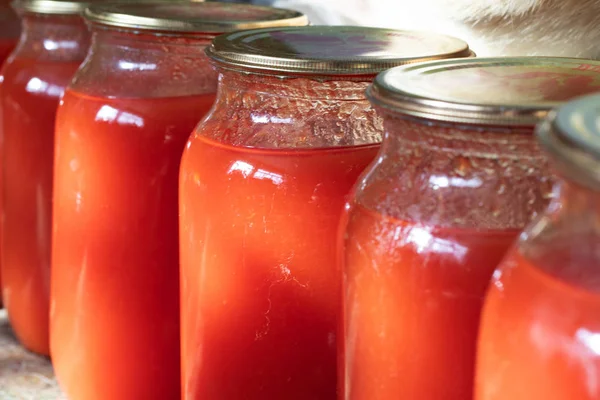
(9, 34)
(121, 129)
(53, 44)
(458, 176)
(263, 181)
(540, 328)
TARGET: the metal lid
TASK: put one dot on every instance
(330, 50)
(572, 137)
(516, 91)
(54, 7)
(191, 17)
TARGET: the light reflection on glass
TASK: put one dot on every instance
(248, 170)
(36, 85)
(259, 119)
(50, 44)
(581, 353)
(497, 281)
(110, 114)
(273, 177)
(132, 66)
(78, 201)
(437, 182)
(241, 166)
(425, 242)
(591, 340)
(265, 119)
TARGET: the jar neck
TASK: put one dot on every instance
(456, 140)
(564, 240)
(53, 38)
(292, 87)
(122, 63)
(108, 37)
(267, 111)
(452, 176)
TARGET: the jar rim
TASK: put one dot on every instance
(330, 50)
(500, 91)
(185, 17)
(50, 7)
(571, 137)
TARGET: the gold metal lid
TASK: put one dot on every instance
(330, 50)
(571, 135)
(516, 91)
(54, 7)
(191, 17)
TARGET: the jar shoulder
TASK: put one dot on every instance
(267, 119)
(447, 186)
(128, 70)
(24, 78)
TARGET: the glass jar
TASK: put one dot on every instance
(540, 326)
(458, 176)
(9, 34)
(121, 129)
(263, 181)
(53, 44)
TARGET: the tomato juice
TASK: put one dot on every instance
(30, 95)
(260, 297)
(541, 324)
(413, 300)
(115, 280)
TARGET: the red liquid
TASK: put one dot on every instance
(260, 293)
(540, 336)
(6, 47)
(30, 94)
(413, 296)
(115, 276)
